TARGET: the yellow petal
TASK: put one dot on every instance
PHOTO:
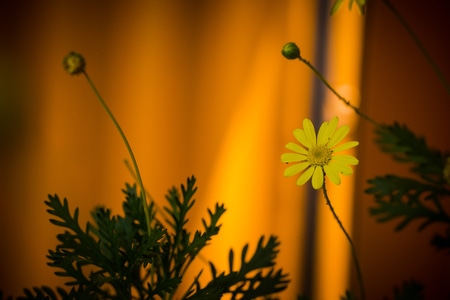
(338, 135)
(322, 136)
(346, 146)
(333, 174)
(340, 167)
(310, 131)
(305, 176)
(331, 128)
(295, 169)
(346, 159)
(301, 137)
(317, 178)
(292, 157)
(296, 148)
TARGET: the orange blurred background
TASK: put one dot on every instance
(200, 87)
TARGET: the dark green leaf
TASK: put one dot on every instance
(408, 199)
(410, 290)
(406, 147)
(442, 241)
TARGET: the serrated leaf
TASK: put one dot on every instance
(120, 253)
(230, 260)
(255, 277)
(406, 199)
(407, 147)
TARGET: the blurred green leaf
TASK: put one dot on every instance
(337, 5)
(407, 199)
(406, 147)
(348, 296)
(442, 241)
(410, 290)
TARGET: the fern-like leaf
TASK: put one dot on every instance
(256, 276)
(407, 147)
(410, 199)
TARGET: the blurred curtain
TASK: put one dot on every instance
(199, 87)
(400, 86)
(341, 63)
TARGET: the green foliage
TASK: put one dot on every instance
(115, 257)
(410, 290)
(255, 278)
(348, 296)
(337, 4)
(406, 147)
(442, 241)
(410, 199)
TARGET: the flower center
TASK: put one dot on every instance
(319, 155)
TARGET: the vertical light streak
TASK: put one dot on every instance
(333, 263)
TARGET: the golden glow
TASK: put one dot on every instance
(198, 89)
(333, 262)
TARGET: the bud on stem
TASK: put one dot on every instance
(74, 63)
(291, 51)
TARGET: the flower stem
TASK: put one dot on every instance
(353, 250)
(419, 45)
(346, 102)
(127, 145)
(157, 207)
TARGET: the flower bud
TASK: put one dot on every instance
(74, 63)
(290, 51)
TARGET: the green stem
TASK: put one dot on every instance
(354, 256)
(127, 144)
(419, 45)
(147, 193)
(346, 102)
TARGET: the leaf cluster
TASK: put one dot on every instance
(411, 199)
(407, 147)
(361, 4)
(255, 278)
(116, 257)
(410, 290)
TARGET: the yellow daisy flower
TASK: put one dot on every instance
(317, 156)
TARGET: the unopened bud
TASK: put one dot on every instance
(290, 51)
(74, 63)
